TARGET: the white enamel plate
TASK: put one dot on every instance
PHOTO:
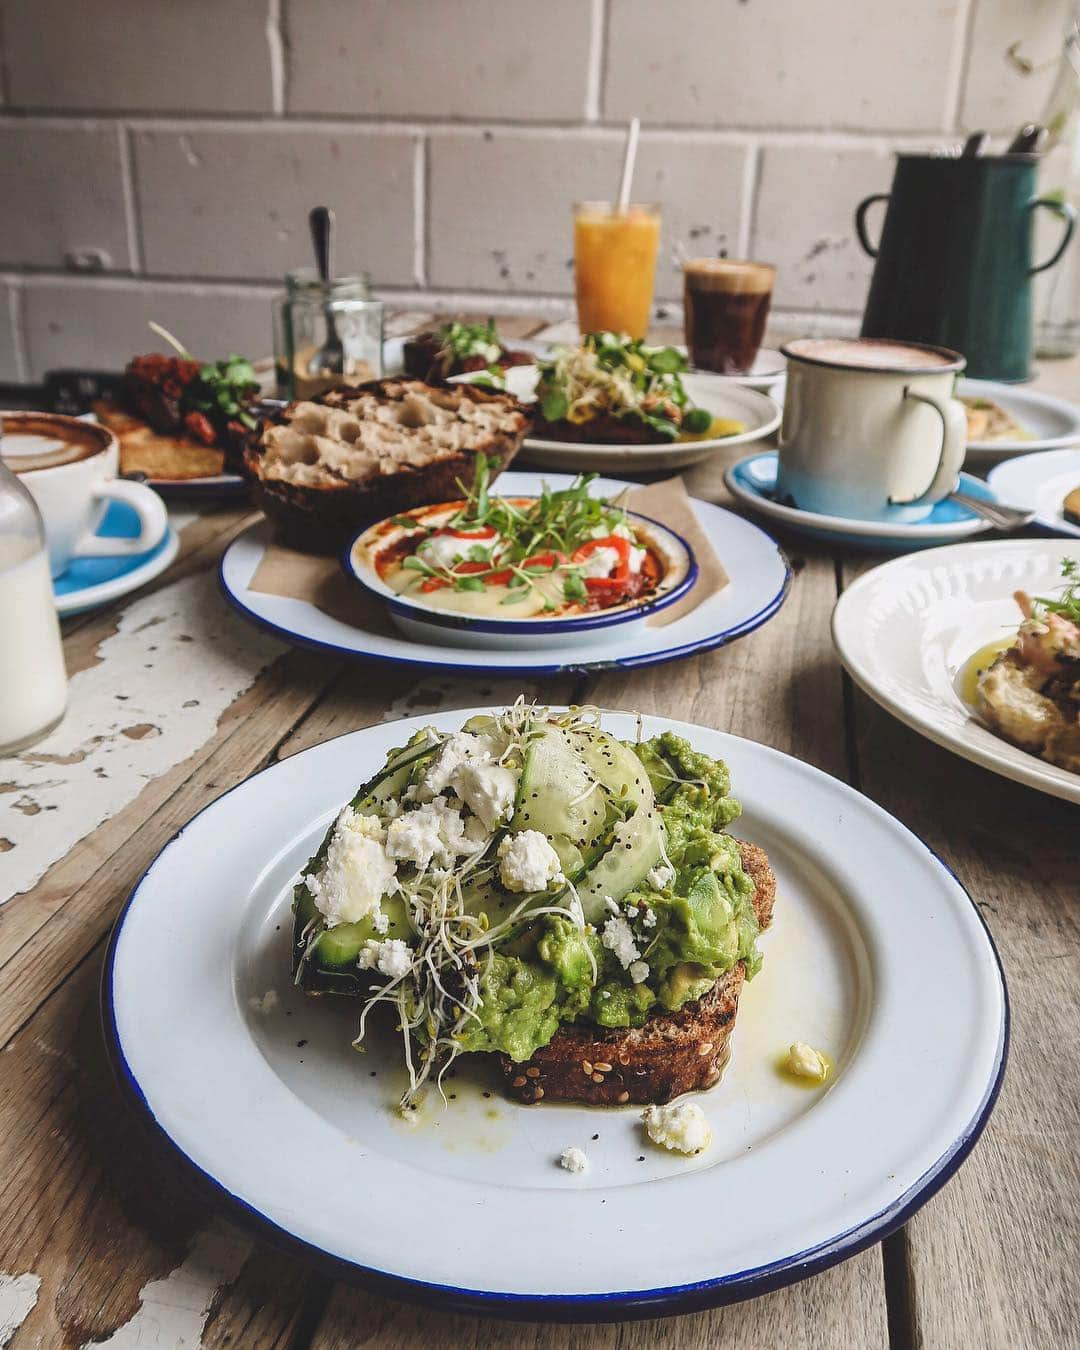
(758, 574)
(1041, 482)
(906, 630)
(259, 1090)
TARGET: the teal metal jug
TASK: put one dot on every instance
(954, 265)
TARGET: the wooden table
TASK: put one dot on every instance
(103, 1241)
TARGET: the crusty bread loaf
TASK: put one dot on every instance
(324, 468)
(671, 1054)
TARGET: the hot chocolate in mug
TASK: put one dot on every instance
(871, 429)
(70, 468)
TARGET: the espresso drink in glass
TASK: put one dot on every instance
(726, 304)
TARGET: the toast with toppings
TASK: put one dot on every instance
(673, 1053)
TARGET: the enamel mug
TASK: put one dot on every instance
(871, 429)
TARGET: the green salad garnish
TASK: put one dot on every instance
(624, 378)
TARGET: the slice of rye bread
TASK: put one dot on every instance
(670, 1054)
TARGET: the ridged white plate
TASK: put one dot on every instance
(265, 1098)
(905, 630)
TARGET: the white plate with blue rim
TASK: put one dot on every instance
(258, 1089)
(90, 582)
(753, 481)
(758, 582)
(1041, 483)
(428, 621)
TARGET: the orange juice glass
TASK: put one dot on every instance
(615, 266)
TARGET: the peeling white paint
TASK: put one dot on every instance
(177, 660)
(18, 1295)
(173, 1311)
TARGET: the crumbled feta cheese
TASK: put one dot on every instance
(462, 747)
(639, 971)
(356, 872)
(660, 877)
(527, 862)
(487, 789)
(679, 1126)
(610, 905)
(380, 922)
(392, 957)
(574, 1160)
(414, 837)
(806, 1062)
(648, 918)
(618, 938)
(601, 562)
(637, 559)
(265, 1003)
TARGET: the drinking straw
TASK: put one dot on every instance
(628, 163)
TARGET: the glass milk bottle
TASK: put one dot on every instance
(33, 682)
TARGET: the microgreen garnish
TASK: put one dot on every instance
(616, 375)
(523, 543)
(1067, 604)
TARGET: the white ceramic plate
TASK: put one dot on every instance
(1040, 482)
(769, 367)
(905, 630)
(1050, 422)
(470, 1206)
(431, 623)
(758, 582)
(753, 481)
(717, 393)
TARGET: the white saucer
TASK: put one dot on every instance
(769, 367)
(753, 481)
(1050, 422)
(1040, 482)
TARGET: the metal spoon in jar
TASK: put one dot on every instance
(330, 358)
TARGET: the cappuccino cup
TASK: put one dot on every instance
(871, 429)
(70, 467)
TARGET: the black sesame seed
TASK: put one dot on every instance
(595, 1137)
(641, 1157)
(300, 1044)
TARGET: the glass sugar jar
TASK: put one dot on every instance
(311, 319)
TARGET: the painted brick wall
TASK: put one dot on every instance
(158, 157)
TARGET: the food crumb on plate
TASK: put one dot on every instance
(806, 1062)
(574, 1160)
(679, 1126)
(264, 1003)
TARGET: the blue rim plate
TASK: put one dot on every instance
(753, 481)
(1040, 482)
(759, 580)
(363, 574)
(90, 582)
(436, 1212)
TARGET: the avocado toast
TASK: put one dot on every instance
(533, 888)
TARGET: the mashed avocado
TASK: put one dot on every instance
(658, 948)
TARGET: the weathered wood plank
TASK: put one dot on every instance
(818, 1314)
(48, 931)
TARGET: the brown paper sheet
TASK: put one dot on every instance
(320, 580)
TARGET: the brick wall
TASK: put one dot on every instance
(158, 157)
